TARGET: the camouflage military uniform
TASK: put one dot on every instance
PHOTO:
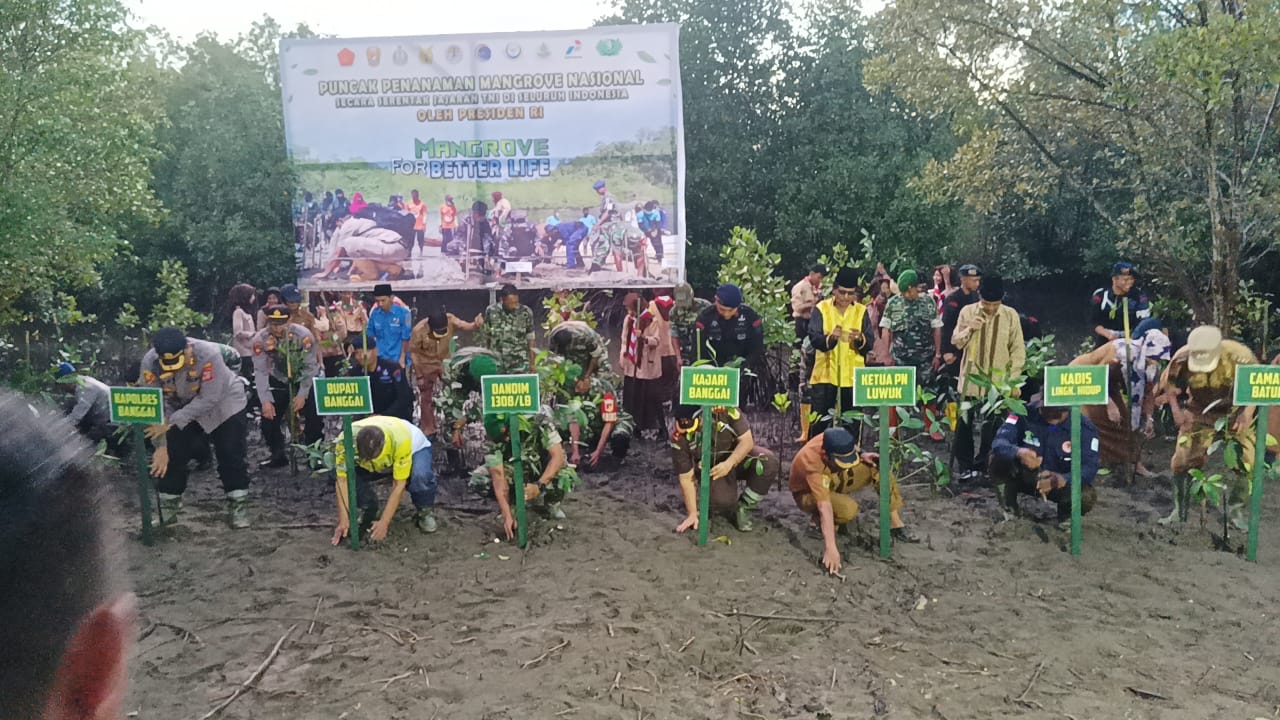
(456, 385)
(508, 335)
(683, 328)
(538, 434)
(576, 341)
(608, 238)
(591, 410)
(912, 323)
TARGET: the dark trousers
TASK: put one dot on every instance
(272, 430)
(962, 449)
(802, 330)
(230, 446)
(824, 403)
(1018, 480)
(759, 471)
(246, 372)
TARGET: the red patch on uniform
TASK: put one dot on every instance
(207, 374)
(148, 377)
(757, 323)
(257, 348)
(1097, 299)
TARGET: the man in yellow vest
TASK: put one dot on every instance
(841, 333)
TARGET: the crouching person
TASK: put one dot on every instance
(823, 474)
(735, 458)
(385, 445)
(542, 451)
(1031, 455)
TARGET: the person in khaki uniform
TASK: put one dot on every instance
(429, 348)
(1198, 385)
(204, 401)
(736, 457)
(823, 474)
(299, 314)
(989, 334)
(804, 298)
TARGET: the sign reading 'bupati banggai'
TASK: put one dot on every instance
(343, 396)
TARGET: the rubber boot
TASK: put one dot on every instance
(1181, 486)
(425, 519)
(170, 506)
(805, 409)
(747, 504)
(554, 511)
(238, 509)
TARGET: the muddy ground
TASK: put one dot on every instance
(611, 615)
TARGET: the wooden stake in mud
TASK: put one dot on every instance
(139, 406)
(346, 397)
(1258, 386)
(710, 388)
(885, 388)
(513, 395)
(1073, 386)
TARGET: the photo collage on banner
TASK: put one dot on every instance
(456, 162)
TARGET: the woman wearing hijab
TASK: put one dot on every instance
(357, 204)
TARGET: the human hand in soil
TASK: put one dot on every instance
(298, 403)
(160, 462)
(690, 522)
(1029, 458)
(721, 469)
(268, 411)
(594, 459)
(509, 526)
(1048, 482)
(831, 560)
(340, 532)
(378, 532)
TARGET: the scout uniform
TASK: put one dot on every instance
(274, 370)
(577, 341)
(759, 469)
(204, 401)
(508, 335)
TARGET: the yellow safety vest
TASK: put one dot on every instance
(836, 367)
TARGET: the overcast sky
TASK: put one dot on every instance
(346, 18)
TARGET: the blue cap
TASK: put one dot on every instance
(1121, 268)
(291, 293)
(65, 369)
(729, 295)
(549, 228)
(598, 184)
(840, 446)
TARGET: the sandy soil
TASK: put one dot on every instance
(614, 616)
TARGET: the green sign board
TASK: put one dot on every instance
(709, 386)
(343, 396)
(1066, 385)
(1257, 385)
(884, 386)
(510, 394)
(137, 406)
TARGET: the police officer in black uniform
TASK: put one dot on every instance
(729, 330)
(276, 348)
(204, 401)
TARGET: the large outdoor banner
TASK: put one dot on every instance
(449, 162)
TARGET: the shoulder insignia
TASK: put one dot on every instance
(207, 374)
(148, 376)
(1011, 420)
(306, 342)
(733, 413)
(257, 348)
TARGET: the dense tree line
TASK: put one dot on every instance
(1043, 140)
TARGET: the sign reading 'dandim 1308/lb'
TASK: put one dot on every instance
(709, 386)
(1066, 385)
(510, 394)
(137, 406)
(343, 396)
(884, 386)
(504, 124)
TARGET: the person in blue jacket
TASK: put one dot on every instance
(1031, 455)
(572, 233)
